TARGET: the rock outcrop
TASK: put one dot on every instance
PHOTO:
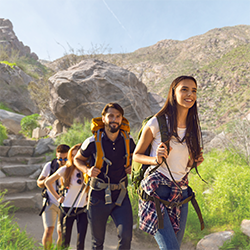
(82, 91)
(14, 90)
(9, 41)
(214, 241)
(11, 121)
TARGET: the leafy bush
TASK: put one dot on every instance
(77, 133)
(28, 123)
(3, 133)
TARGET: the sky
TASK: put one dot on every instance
(53, 28)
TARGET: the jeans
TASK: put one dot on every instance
(82, 225)
(166, 237)
(98, 214)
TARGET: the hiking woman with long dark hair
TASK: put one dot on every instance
(180, 111)
(72, 180)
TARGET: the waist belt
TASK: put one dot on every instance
(99, 184)
(145, 197)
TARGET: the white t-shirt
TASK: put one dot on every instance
(178, 156)
(73, 190)
(46, 172)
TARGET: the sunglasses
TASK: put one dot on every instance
(79, 181)
(61, 159)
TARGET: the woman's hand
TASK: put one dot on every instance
(61, 199)
(162, 152)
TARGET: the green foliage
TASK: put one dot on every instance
(8, 63)
(133, 196)
(28, 123)
(11, 236)
(77, 133)
(224, 203)
(3, 133)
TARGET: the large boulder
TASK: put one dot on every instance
(82, 91)
(11, 120)
(14, 90)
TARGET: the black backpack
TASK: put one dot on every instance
(53, 167)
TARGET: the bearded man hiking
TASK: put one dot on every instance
(108, 195)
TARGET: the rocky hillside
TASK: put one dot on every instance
(10, 42)
(219, 59)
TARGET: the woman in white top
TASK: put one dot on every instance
(180, 110)
(72, 180)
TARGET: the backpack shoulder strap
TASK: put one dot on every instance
(99, 149)
(127, 147)
(53, 166)
(163, 128)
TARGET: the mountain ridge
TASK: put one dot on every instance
(219, 59)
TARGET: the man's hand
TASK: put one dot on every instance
(128, 169)
(93, 172)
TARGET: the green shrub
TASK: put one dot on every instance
(77, 133)
(3, 133)
(28, 123)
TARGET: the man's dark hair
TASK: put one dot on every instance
(62, 148)
(112, 105)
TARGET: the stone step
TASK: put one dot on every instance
(15, 185)
(21, 170)
(21, 151)
(25, 160)
(29, 201)
(18, 142)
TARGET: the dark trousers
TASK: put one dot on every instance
(98, 214)
(67, 224)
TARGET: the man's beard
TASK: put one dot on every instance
(111, 129)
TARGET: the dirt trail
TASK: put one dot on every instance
(34, 227)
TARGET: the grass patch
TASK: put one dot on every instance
(11, 236)
(223, 205)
